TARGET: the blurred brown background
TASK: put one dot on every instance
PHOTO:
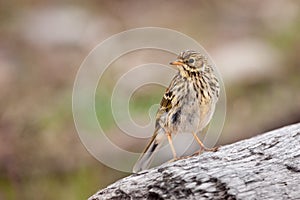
(255, 45)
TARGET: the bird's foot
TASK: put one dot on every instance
(174, 159)
(214, 149)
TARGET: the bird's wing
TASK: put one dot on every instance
(166, 102)
(165, 106)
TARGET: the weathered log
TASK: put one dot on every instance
(263, 167)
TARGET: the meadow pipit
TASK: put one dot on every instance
(187, 105)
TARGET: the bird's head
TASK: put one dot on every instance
(191, 61)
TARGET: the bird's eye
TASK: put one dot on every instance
(191, 61)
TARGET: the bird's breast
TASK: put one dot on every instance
(189, 113)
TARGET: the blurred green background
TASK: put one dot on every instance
(255, 45)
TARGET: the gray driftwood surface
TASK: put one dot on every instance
(263, 167)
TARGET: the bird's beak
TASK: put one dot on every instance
(177, 62)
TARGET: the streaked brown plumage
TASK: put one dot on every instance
(187, 105)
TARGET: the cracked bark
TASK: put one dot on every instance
(263, 167)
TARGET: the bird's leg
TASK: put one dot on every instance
(202, 147)
(172, 146)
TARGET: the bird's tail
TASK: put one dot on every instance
(146, 157)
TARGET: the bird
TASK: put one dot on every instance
(187, 105)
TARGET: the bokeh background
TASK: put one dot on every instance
(255, 45)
